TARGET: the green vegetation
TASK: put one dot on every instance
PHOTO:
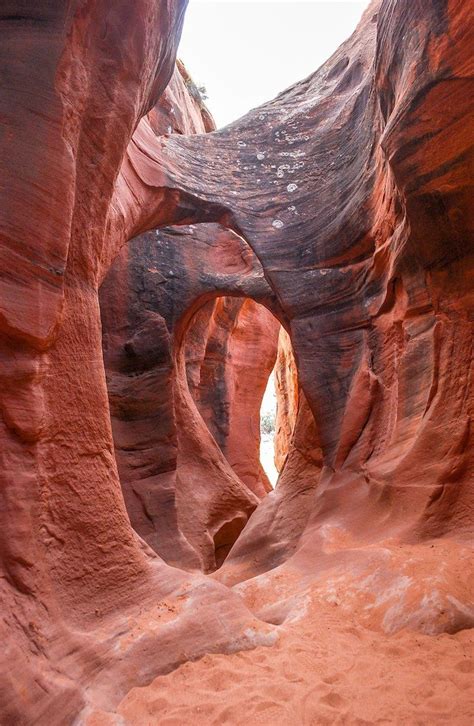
(199, 93)
(267, 423)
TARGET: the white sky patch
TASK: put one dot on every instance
(267, 441)
(245, 52)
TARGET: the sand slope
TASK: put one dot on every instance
(323, 670)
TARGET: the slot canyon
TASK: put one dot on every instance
(154, 272)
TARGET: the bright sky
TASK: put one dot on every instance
(246, 51)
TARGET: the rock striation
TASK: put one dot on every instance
(376, 286)
(229, 379)
(176, 349)
(344, 208)
(287, 391)
(88, 609)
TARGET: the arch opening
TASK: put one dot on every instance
(231, 349)
(186, 376)
(268, 416)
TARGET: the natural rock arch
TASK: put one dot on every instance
(163, 288)
(376, 290)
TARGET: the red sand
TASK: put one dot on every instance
(323, 669)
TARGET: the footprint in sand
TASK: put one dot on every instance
(264, 706)
(332, 679)
(465, 666)
(333, 699)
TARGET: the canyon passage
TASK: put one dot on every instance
(154, 272)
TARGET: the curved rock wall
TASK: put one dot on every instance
(345, 207)
(87, 607)
(376, 284)
(155, 319)
(156, 338)
(286, 387)
(229, 379)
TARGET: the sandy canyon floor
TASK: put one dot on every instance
(322, 669)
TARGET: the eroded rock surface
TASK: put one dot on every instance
(169, 331)
(376, 283)
(159, 334)
(286, 387)
(88, 610)
(229, 379)
(345, 207)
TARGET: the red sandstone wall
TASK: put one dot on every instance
(286, 386)
(377, 279)
(80, 591)
(353, 190)
(230, 354)
(165, 453)
(229, 377)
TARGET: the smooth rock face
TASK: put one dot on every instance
(163, 342)
(344, 207)
(229, 378)
(286, 387)
(167, 351)
(377, 281)
(88, 610)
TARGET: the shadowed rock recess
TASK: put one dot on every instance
(149, 573)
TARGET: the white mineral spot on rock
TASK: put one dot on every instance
(260, 156)
(277, 223)
(293, 154)
(292, 187)
(241, 144)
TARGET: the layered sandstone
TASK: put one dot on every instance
(87, 607)
(229, 378)
(173, 341)
(377, 285)
(286, 386)
(174, 364)
(344, 206)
